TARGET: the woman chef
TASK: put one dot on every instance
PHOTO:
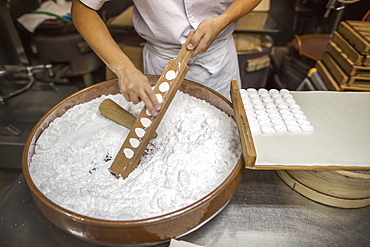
(165, 25)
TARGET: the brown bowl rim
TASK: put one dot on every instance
(117, 223)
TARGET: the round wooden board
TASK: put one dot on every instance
(341, 184)
(321, 197)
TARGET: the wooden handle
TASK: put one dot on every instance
(248, 148)
(137, 140)
(110, 109)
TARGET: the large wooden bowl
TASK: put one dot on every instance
(138, 232)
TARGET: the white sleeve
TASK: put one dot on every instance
(94, 4)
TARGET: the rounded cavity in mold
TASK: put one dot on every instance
(170, 75)
(134, 142)
(148, 112)
(159, 97)
(140, 132)
(129, 153)
(146, 122)
(164, 87)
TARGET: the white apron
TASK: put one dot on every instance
(214, 68)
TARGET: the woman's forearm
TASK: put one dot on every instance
(96, 34)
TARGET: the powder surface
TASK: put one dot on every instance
(196, 149)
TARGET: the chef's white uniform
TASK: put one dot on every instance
(165, 25)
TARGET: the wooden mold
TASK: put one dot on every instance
(137, 140)
(327, 77)
(246, 138)
(345, 63)
(342, 189)
(357, 33)
(340, 77)
(346, 47)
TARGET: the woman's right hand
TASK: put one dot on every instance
(135, 87)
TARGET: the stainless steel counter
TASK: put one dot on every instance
(263, 212)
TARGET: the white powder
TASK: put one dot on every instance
(196, 149)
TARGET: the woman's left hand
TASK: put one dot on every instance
(204, 35)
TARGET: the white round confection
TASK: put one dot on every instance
(307, 129)
(297, 112)
(276, 97)
(274, 91)
(283, 107)
(259, 107)
(288, 117)
(284, 91)
(263, 118)
(285, 112)
(291, 123)
(148, 112)
(261, 112)
(262, 91)
(300, 117)
(253, 124)
(279, 101)
(159, 97)
(275, 117)
(279, 129)
(270, 106)
(294, 107)
(303, 122)
(257, 101)
(249, 107)
(164, 87)
(265, 123)
(267, 130)
(253, 97)
(140, 132)
(293, 129)
(287, 96)
(267, 100)
(290, 101)
(245, 99)
(243, 92)
(146, 122)
(128, 153)
(250, 114)
(265, 96)
(251, 90)
(255, 130)
(134, 142)
(277, 122)
(170, 75)
(272, 111)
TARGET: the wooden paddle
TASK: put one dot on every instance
(110, 109)
(145, 125)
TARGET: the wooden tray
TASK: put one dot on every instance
(343, 189)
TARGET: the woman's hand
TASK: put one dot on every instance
(135, 87)
(204, 35)
(209, 29)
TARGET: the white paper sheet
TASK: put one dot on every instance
(341, 135)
